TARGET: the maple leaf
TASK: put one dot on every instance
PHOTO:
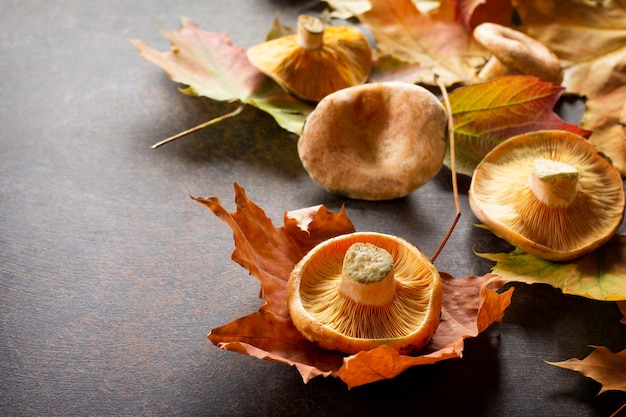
(269, 253)
(598, 275)
(590, 40)
(485, 114)
(602, 365)
(439, 44)
(211, 66)
(475, 12)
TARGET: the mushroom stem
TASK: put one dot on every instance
(367, 275)
(554, 183)
(310, 32)
(493, 68)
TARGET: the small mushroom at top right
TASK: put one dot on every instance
(514, 52)
(549, 193)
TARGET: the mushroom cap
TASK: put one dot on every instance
(520, 53)
(343, 60)
(377, 141)
(501, 196)
(334, 321)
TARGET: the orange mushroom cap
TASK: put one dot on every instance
(550, 193)
(316, 61)
(362, 290)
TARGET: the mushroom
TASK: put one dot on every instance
(516, 53)
(362, 290)
(550, 193)
(376, 141)
(315, 61)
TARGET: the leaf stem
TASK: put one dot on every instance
(455, 188)
(199, 127)
(618, 411)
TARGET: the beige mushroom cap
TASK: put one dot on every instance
(316, 61)
(550, 193)
(325, 310)
(376, 141)
(516, 53)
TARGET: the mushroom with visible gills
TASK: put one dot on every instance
(377, 141)
(362, 290)
(315, 61)
(516, 53)
(549, 193)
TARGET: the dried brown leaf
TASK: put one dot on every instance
(269, 253)
(602, 365)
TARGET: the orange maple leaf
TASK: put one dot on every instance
(602, 365)
(269, 253)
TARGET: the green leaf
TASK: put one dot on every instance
(598, 275)
(211, 66)
(486, 114)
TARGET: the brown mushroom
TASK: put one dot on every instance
(362, 290)
(375, 141)
(550, 193)
(315, 61)
(516, 53)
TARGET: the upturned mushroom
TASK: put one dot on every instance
(513, 52)
(377, 141)
(362, 290)
(315, 61)
(549, 193)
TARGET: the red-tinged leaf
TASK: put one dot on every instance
(439, 45)
(211, 66)
(270, 337)
(206, 62)
(474, 12)
(603, 365)
(485, 114)
(270, 252)
(598, 275)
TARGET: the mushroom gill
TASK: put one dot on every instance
(400, 317)
(402, 309)
(581, 212)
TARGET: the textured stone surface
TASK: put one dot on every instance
(111, 276)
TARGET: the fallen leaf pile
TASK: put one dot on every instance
(413, 44)
(269, 253)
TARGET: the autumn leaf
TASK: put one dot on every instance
(485, 114)
(590, 40)
(269, 253)
(211, 66)
(475, 12)
(598, 275)
(602, 365)
(439, 45)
